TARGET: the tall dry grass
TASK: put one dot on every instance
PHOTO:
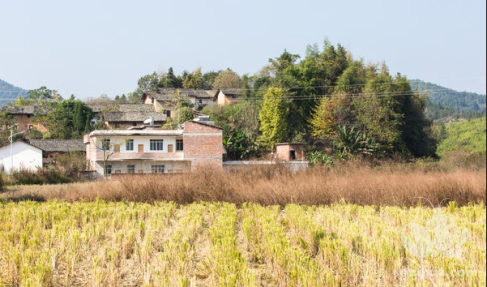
(353, 182)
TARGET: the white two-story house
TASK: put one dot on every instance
(148, 151)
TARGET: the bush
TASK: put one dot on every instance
(70, 163)
(2, 183)
(40, 176)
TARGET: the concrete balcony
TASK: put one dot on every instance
(176, 156)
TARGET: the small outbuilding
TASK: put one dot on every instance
(290, 151)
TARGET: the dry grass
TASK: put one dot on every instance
(354, 183)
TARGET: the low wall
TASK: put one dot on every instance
(236, 165)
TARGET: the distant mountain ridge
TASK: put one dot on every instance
(9, 92)
(464, 101)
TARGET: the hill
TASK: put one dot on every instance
(9, 92)
(464, 101)
(466, 136)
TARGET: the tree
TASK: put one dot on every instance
(184, 114)
(239, 144)
(171, 81)
(6, 120)
(273, 117)
(193, 80)
(209, 79)
(106, 145)
(226, 79)
(146, 83)
(67, 120)
(182, 107)
(323, 123)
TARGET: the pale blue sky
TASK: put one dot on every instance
(89, 48)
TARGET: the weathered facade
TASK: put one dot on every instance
(290, 151)
(227, 96)
(51, 149)
(163, 99)
(125, 120)
(22, 117)
(150, 151)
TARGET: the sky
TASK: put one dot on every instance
(89, 48)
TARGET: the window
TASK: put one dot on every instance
(129, 145)
(28, 116)
(179, 145)
(105, 144)
(130, 168)
(108, 169)
(134, 124)
(168, 114)
(156, 144)
(157, 168)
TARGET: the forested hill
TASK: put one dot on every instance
(464, 101)
(9, 92)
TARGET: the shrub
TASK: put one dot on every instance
(40, 176)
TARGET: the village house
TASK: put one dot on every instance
(164, 99)
(52, 149)
(147, 150)
(227, 96)
(125, 120)
(20, 155)
(22, 117)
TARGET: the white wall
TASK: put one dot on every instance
(145, 140)
(144, 165)
(24, 155)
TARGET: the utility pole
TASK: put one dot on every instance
(11, 139)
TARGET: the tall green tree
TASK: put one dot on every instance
(171, 81)
(193, 80)
(67, 120)
(272, 116)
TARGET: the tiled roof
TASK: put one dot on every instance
(136, 108)
(133, 116)
(15, 110)
(164, 94)
(231, 91)
(59, 145)
(96, 107)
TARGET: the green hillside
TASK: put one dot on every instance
(464, 101)
(9, 92)
(467, 136)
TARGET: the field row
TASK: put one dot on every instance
(218, 244)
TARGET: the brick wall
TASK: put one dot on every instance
(283, 151)
(23, 121)
(202, 145)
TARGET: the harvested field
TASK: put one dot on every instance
(218, 244)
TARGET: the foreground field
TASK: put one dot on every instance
(219, 244)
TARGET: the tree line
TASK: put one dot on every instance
(326, 99)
